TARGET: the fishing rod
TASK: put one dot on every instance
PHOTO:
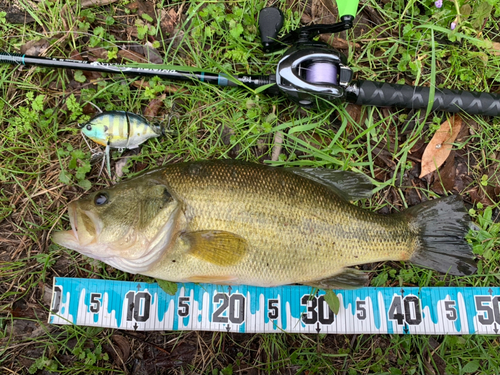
(307, 71)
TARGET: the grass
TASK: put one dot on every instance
(45, 164)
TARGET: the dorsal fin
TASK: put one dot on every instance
(350, 186)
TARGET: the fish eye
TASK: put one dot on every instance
(100, 199)
(89, 127)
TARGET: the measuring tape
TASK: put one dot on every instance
(291, 308)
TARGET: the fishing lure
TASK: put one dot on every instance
(119, 129)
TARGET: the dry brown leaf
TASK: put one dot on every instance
(169, 20)
(330, 6)
(439, 148)
(121, 349)
(495, 48)
(131, 55)
(151, 110)
(35, 47)
(357, 116)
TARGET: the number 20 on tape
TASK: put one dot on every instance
(143, 306)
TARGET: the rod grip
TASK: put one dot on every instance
(383, 94)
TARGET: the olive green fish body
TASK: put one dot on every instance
(297, 230)
(240, 223)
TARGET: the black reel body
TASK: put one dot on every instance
(309, 70)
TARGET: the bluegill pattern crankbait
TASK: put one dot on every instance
(119, 129)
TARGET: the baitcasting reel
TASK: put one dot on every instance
(309, 69)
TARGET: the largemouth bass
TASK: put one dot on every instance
(228, 222)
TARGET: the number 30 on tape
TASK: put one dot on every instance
(145, 307)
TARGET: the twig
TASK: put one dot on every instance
(95, 3)
(278, 143)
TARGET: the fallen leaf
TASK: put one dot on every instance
(338, 43)
(332, 301)
(331, 8)
(151, 110)
(140, 84)
(495, 48)
(35, 47)
(168, 287)
(144, 7)
(445, 181)
(439, 148)
(47, 295)
(171, 89)
(323, 11)
(169, 21)
(15, 15)
(131, 55)
(122, 349)
(152, 55)
(119, 165)
(356, 116)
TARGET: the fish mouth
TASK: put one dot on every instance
(73, 220)
(85, 230)
(69, 238)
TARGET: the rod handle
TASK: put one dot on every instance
(383, 94)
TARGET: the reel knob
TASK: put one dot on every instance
(270, 23)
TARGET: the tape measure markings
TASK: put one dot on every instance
(144, 306)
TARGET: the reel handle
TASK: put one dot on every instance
(270, 23)
(383, 94)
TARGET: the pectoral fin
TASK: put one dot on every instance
(217, 247)
(348, 279)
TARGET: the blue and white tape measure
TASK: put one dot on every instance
(302, 309)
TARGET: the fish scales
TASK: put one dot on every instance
(310, 229)
(242, 223)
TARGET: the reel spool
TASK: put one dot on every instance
(319, 72)
(310, 70)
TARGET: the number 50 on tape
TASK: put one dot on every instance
(145, 307)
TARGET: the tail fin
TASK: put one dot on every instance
(442, 225)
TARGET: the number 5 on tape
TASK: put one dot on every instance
(143, 306)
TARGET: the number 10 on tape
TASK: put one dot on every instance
(145, 307)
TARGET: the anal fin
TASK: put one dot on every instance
(349, 278)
